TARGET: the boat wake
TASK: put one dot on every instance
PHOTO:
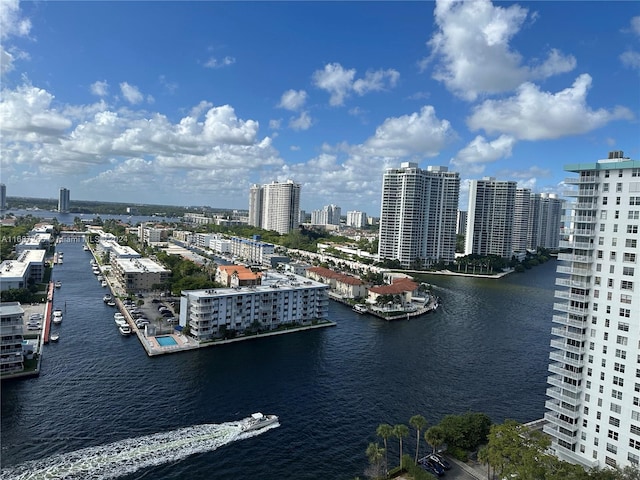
(130, 455)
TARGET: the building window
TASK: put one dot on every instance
(623, 326)
(626, 285)
(618, 367)
(605, 187)
(617, 394)
(632, 228)
(613, 434)
(629, 257)
(628, 271)
(614, 421)
(620, 340)
(618, 381)
(633, 215)
(605, 200)
(621, 354)
(631, 243)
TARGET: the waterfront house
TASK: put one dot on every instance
(344, 285)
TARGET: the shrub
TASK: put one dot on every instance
(458, 453)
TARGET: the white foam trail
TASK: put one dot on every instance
(130, 455)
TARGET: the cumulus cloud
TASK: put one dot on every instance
(631, 59)
(472, 158)
(472, 52)
(635, 25)
(420, 133)
(12, 24)
(302, 122)
(293, 100)
(341, 82)
(536, 115)
(131, 93)
(100, 88)
(213, 62)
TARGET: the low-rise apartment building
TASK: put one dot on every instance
(35, 241)
(252, 251)
(11, 336)
(279, 300)
(16, 273)
(344, 285)
(139, 274)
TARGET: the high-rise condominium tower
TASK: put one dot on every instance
(594, 383)
(3, 196)
(521, 220)
(418, 214)
(544, 221)
(63, 200)
(490, 217)
(275, 206)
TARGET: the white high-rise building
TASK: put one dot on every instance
(329, 215)
(593, 410)
(490, 217)
(275, 206)
(544, 221)
(356, 219)
(418, 215)
(63, 200)
(521, 220)
(255, 206)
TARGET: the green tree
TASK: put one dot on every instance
(419, 423)
(375, 454)
(385, 431)
(434, 437)
(400, 431)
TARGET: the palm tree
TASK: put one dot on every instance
(483, 457)
(374, 453)
(384, 431)
(419, 423)
(400, 431)
(434, 437)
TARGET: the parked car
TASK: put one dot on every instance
(440, 460)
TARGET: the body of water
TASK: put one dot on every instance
(68, 218)
(486, 349)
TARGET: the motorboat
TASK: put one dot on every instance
(104, 283)
(258, 421)
(57, 316)
(54, 337)
(360, 308)
(58, 284)
(107, 298)
(125, 330)
(121, 322)
(118, 315)
(85, 248)
(111, 303)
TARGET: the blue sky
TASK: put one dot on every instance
(189, 103)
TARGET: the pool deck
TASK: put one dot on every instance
(184, 343)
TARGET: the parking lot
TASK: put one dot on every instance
(155, 312)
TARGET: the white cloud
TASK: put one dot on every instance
(275, 124)
(420, 133)
(535, 115)
(131, 93)
(376, 81)
(302, 122)
(100, 88)
(631, 59)
(635, 25)
(219, 63)
(12, 24)
(293, 100)
(472, 158)
(340, 83)
(472, 51)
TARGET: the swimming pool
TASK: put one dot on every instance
(166, 341)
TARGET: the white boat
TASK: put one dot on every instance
(100, 278)
(104, 283)
(360, 308)
(85, 248)
(111, 303)
(54, 337)
(118, 315)
(121, 322)
(58, 284)
(107, 298)
(125, 330)
(258, 421)
(57, 316)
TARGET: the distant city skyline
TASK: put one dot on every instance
(510, 90)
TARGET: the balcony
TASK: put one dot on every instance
(562, 345)
(564, 319)
(565, 307)
(571, 270)
(559, 356)
(560, 394)
(557, 407)
(584, 232)
(576, 244)
(565, 333)
(581, 180)
(573, 257)
(555, 419)
(553, 429)
(556, 381)
(559, 369)
(568, 295)
(572, 282)
(578, 218)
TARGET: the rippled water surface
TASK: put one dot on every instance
(486, 349)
